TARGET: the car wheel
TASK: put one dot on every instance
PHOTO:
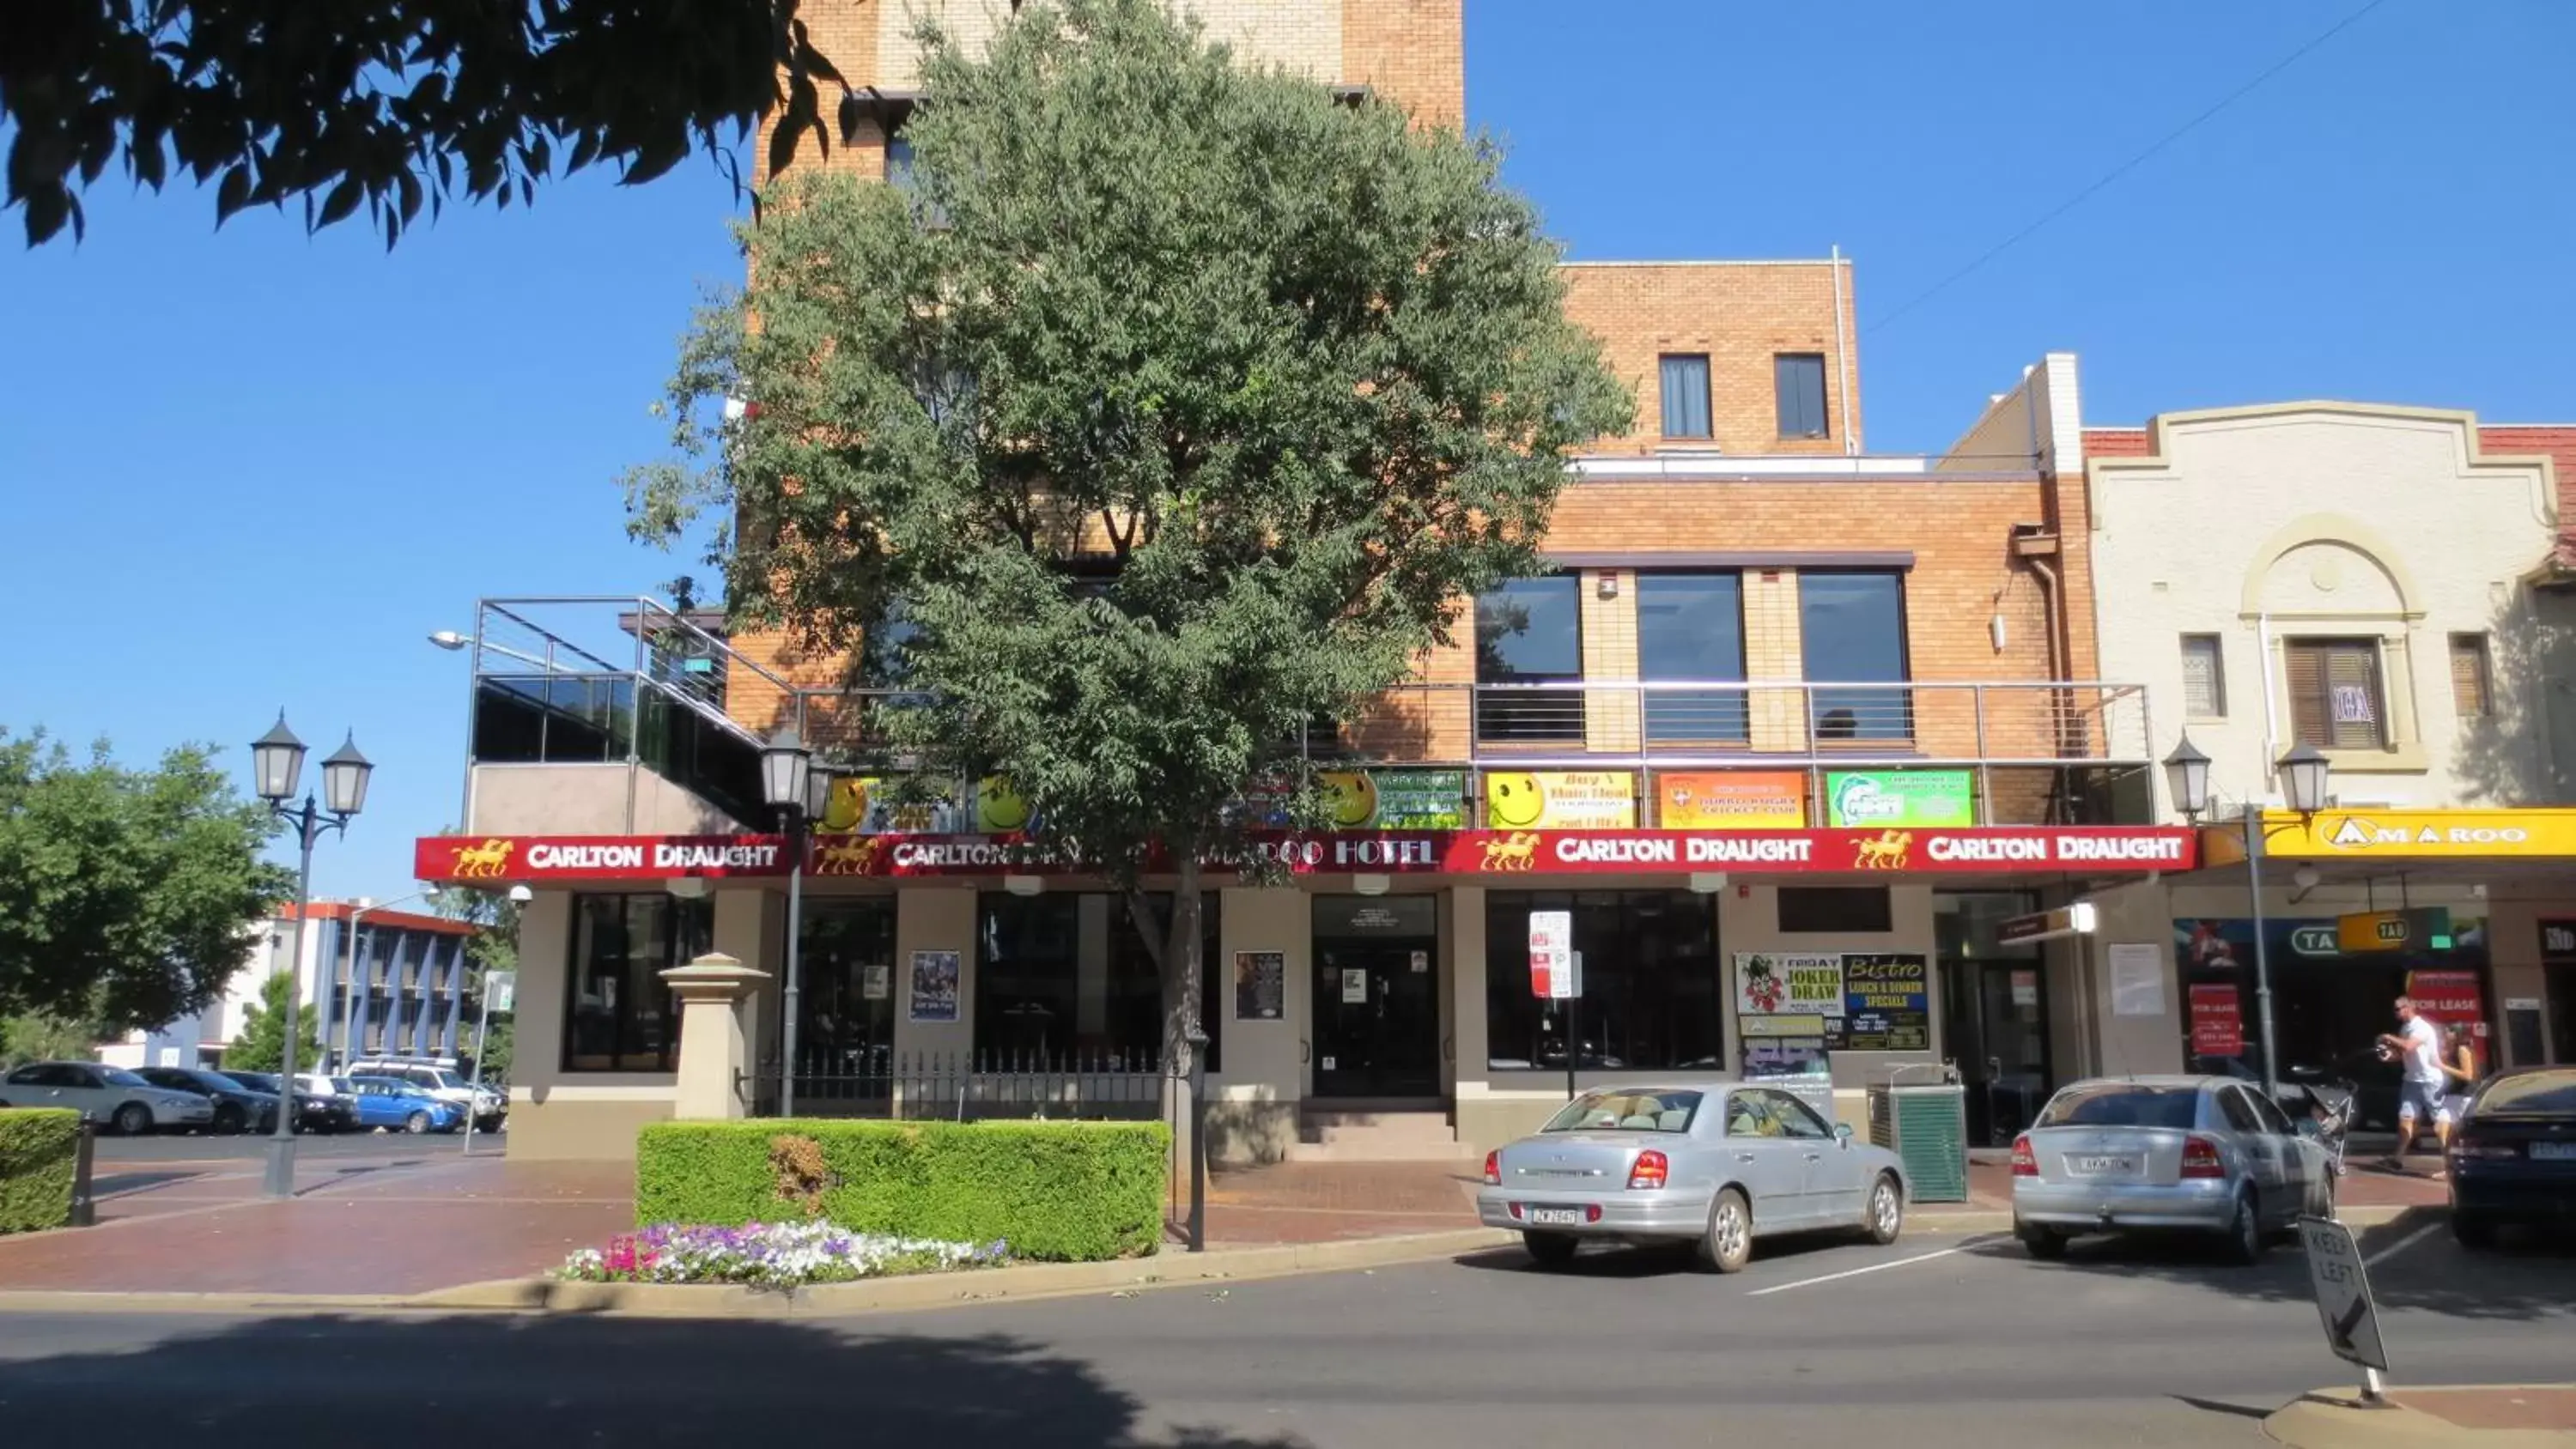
(133, 1119)
(2245, 1240)
(2046, 1244)
(1550, 1250)
(1728, 1244)
(416, 1123)
(1886, 1216)
(2472, 1232)
(229, 1120)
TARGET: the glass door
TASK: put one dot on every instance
(1377, 997)
(1994, 1013)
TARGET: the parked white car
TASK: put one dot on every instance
(440, 1079)
(111, 1095)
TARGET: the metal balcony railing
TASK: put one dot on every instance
(627, 679)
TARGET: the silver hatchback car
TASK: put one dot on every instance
(2191, 1154)
(1712, 1164)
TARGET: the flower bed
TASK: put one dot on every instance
(769, 1255)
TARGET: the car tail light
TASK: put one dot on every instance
(1493, 1169)
(1651, 1171)
(2025, 1161)
(2200, 1158)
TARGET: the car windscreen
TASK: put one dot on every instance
(2537, 1094)
(2123, 1104)
(1627, 1111)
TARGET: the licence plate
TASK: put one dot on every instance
(2553, 1152)
(1555, 1217)
(2098, 1166)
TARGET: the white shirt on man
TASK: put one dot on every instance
(2423, 1052)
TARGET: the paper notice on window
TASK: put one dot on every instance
(2137, 980)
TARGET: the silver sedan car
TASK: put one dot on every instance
(1713, 1164)
(2192, 1154)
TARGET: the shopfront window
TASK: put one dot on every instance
(1530, 632)
(845, 1026)
(622, 1016)
(1650, 983)
(1065, 975)
(1690, 627)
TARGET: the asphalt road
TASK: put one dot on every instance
(1974, 1346)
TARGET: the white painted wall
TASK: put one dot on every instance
(2336, 520)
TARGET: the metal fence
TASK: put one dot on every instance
(963, 1086)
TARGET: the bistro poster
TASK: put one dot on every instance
(1887, 1003)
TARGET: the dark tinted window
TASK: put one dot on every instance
(1796, 1118)
(2239, 1112)
(2552, 1093)
(2124, 1104)
(1836, 909)
(1852, 631)
(1530, 629)
(1799, 379)
(2275, 1120)
(622, 1016)
(1650, 983)
(1066, 975)
(1690, 627)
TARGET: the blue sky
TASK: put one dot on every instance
(245, 469)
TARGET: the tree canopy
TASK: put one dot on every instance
(388, 104)
(1173, 406)
(261, 1044)
(126, 896)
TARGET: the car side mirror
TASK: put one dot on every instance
(1842, 1132)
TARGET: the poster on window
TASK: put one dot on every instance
(934, 986)
(1887, 1003)
(1731, 800)
(1394, 799)
(2352, 704)
(1771, 983)
(2217, 1021)
(876, 981)
(1867, 799)
(1260, 985)
(2137, 979)
(2448, 999)
(1560, 800)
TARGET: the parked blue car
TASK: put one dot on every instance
(384, 1102)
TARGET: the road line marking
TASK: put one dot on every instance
(2401, 1245)
(1856, 1272)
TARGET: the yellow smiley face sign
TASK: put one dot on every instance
(999, 810)
(1561, 800)
(1350, 798)
(1513, 801)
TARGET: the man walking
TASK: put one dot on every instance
(2416, 1043)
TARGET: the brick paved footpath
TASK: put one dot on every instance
(441, 1221)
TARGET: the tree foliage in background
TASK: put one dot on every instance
(389, 104)
(125, 895)
(1175, 405)
(35, 1036)
(261, 1045)
(494, 946)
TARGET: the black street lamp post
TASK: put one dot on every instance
(801, 794)
(2305, 774)
(277, 761)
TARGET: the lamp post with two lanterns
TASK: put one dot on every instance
(277, 762)
(2305, 775)
(801, 794)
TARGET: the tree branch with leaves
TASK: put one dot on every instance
(1175, 405)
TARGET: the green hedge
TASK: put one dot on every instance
(38, 1148)
(1069, 1191)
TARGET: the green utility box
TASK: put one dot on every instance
(1926, 1125)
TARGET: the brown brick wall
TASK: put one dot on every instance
(1413, 52)
(1739, 313)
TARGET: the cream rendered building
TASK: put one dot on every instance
(2383, 583)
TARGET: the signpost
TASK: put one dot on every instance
(2427, 929)
(2079, 919)
(2344, 1306)
(1556, 974)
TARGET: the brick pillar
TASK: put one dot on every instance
(1772, 651)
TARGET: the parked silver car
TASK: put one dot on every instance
(2191, 1154)
(1715, 1164)
(111, 1095)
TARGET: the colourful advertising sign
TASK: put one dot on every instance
(2217, 1023)
(1394, 799)
(2449, 998)
(1731, 800)
(1560, 800)
(1992, 850)
(1769, 983)
(1864, 798)
(2402, 834)
(1887, 1003)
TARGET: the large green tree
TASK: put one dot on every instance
(388, 104)
(494, 946)
(261, 1045)
(1175, 405)
(126, 895)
